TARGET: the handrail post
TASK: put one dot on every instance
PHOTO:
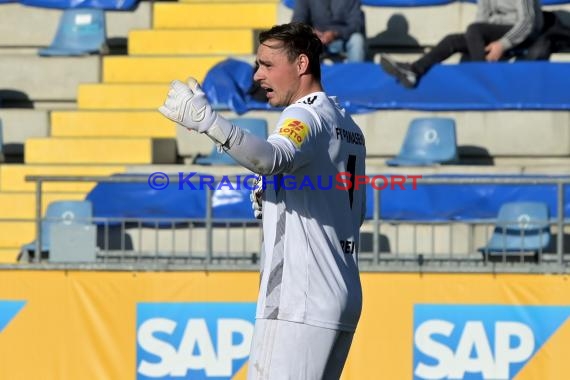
(209, 229)
(38, 245)
(560, 219)
(376, 219)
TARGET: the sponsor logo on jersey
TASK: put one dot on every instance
(8, 310)
(193, 340)
(295, 130)
(481, 342)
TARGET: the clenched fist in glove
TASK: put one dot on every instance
(187, 105)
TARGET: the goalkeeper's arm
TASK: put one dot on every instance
(187, 105)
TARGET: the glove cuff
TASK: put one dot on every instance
(220, 131)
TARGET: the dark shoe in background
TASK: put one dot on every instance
(402, 71)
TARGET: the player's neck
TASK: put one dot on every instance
(308, 88)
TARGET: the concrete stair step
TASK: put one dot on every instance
(13, 177)
(19, 205)
(133, 150)
(111, 124)
(8, 255)
(25, 26)
(32, 78)
(191, 42)
(16, 233)
(488, 133)
(21, 124)
(211, 15)
(230, 1)
(132, 69)
(121, 96)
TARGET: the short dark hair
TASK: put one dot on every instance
(297, 38)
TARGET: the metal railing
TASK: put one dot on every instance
(422, 252)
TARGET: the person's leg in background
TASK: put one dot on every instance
(335, 51)
(479, 35)
(409, 74)
(449, 45)
(355, 48)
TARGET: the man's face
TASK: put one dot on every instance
(276, 75)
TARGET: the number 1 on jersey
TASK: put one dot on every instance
(351, 168)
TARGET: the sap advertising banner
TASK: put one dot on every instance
(94, 325)
(8, 310)
(193, 340)
(488, 342)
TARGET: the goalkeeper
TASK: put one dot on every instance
(310, 295)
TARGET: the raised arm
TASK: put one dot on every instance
(187, 105)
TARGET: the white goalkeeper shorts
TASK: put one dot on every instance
(283, 350)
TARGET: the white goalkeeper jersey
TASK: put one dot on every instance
(311, 220)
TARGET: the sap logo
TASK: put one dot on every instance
(193, 340)
(472, 339)
(8, 310)
(480, 341)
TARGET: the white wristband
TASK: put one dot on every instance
(220, 131)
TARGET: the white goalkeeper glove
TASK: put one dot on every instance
(187, 105)
(256, 196)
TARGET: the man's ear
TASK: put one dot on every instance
(303, 64)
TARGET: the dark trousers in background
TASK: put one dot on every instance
(471, 44)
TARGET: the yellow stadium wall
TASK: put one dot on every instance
(84, 325)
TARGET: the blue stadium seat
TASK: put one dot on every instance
(80, 32)
(522, 227)
(256, 126)
(428, 141)
(66, 212)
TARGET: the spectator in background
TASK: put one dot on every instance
(501, 25)
(339, 24)
(555, 36)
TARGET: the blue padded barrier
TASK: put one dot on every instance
(122, 5)
(140, 200)
(462, 202)
(427, 202)
(364, 87)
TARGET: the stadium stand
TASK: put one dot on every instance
(115, 108)
(429, 141)
(35, 88)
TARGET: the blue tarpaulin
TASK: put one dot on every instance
(440, 202)
(426, 202)
(96, 4)
(178, 200)
(364, 87)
